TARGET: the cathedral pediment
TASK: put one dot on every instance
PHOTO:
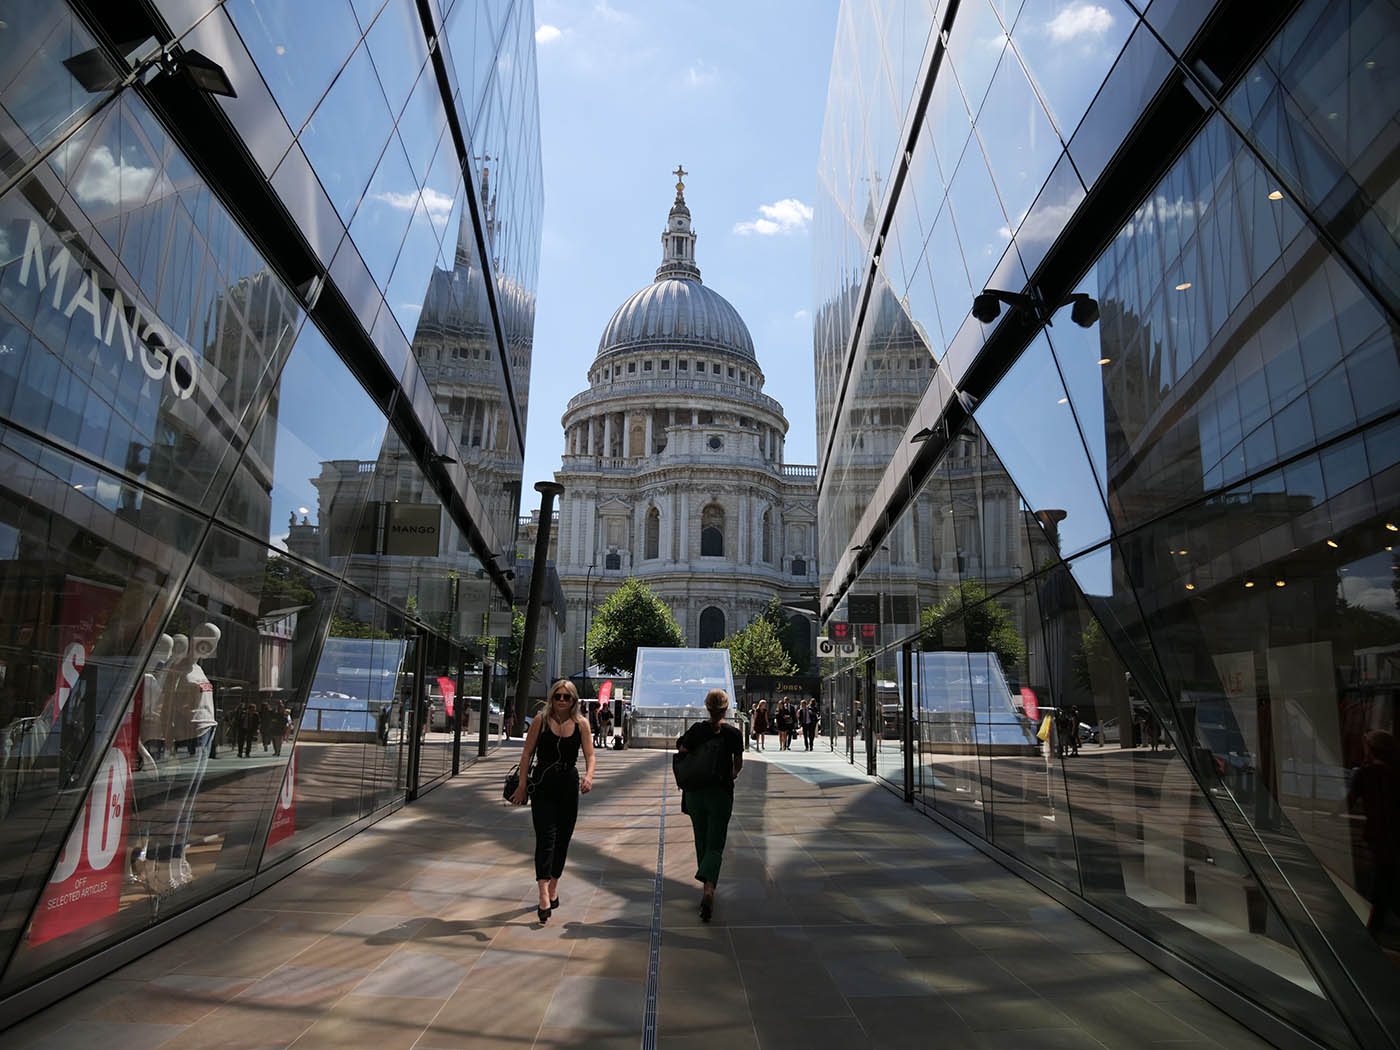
(614, 506)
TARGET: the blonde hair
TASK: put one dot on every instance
(569, 688)
(717, 703)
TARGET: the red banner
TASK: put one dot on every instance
(449, 694)
(86, 884)
(1030, 703)
(284, 817)
(604, 694)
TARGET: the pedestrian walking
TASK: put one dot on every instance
(760, 723)
(786, 723)
(807, 718)
(554, 741)
(709, 807)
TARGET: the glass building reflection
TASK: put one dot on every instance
(263, 362)
(1132, 583)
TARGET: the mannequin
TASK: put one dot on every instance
(188, 698)
(150, 743)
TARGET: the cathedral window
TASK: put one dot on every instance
(714, 369)
(665, 366)
(631, 366)
(682, 365)
(767, 537)
(653, 534)
(711, 626)
(731, 371)
(612, 561)
(799, 566)
(712, 531)
(646, 366)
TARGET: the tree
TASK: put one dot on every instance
(517, 643)
(987, 626)
(285, 585)
(798, 653)
(631, 617)
(758, 649)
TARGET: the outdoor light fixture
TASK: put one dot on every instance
(1183, 286)
(1190, 586)
(98, 74)
(921, 435)
(1276, 195)
(1248, 583)
(969, 403)
(1333, 544)
(1280, 582)
(1392, 526)
(986, 306)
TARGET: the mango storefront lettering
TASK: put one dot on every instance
(73, 288)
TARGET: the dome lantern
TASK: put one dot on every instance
(678, 240)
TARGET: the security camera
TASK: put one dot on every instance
(986, 307)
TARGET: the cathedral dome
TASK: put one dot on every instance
(677, 312)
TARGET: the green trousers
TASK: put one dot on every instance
(709, 810)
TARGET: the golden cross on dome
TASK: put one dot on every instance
(680, 173)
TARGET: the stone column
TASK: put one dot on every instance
(683, 528)
(649, 444)
(607, 434)
(592, 442)
(694, 416)
(742, 533)
(627, 449)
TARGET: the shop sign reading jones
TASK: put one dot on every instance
(74, 288)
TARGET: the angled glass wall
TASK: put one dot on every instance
(263, 361)
(1139, 561)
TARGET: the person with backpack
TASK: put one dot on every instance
(716, 751)
(760, 723)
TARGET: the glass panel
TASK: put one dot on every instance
(383, 216)
(345, 136)
(37, 91)
(151, 361)
(1020, 144)
(975, 45)
(399, 50)
(1031, 428)
(314, 507)
(298, 48)
(1068, 47)
(86, 563)
(243, 635)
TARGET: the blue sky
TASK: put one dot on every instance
(735, 92)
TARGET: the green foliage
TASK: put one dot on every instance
(1094, 659)
(632, 617)
(347, 627)
(758, 649)
(798, 653)
(517, 645)
(986, 625)
(286, 585)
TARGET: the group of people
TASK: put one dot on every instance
(548, 778)
(266, 722)
(787, 720)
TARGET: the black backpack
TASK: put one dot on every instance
(705, 766)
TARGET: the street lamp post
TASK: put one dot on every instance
(587, 613)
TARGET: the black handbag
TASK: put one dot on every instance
(513, 784)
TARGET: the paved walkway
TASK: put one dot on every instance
(843, 921)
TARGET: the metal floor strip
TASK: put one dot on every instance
(654, 953)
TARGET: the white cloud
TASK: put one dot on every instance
(700, 74)
(401, 201)
(438, 205)
(547, 33)
(780, 217)
(801, 315)
(105, 180)
(610, 14)
(1080, 19)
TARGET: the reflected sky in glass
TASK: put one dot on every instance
(1069, 47)
(299, 47)
(344, 137)
(384, 214)
(1028, 422)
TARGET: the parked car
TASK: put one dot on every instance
(1089, 734)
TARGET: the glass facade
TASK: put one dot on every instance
(263, 363)
(1129, 577)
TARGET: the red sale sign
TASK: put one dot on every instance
(604, 694)
(86, 885)
(449, 694)
(284, 817)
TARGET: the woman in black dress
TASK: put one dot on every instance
(555, 739)
(709, 807)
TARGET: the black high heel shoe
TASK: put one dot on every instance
(554, 904)
(543, 913)
(707, 908)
